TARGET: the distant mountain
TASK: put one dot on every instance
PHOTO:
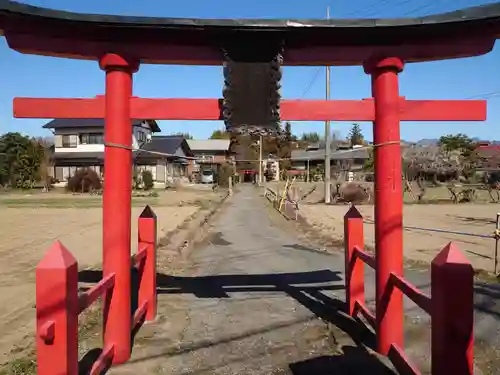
(435, 141)
(427, 142)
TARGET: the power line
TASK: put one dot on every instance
(311, 83)
(483, 96)
(366, 11)
(359, 11)
(421, 7)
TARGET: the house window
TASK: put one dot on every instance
(92, 139)
(66, 173)
(69, 141)
(207, 158)
(141, 137)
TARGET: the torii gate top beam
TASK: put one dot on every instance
(462, 33)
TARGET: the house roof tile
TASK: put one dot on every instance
(60, 123)
(167, 144)
(209, 144)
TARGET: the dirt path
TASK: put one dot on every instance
(250, 300)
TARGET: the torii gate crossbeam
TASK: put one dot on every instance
(291, 110)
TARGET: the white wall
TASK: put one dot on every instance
(139, 133)
(180, 152)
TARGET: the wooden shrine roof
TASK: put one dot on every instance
(462, 33)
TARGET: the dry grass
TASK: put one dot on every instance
(422, 245)
(32, 222)
(434, 195)
(476, 218)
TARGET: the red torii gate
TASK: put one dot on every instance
(386, 109)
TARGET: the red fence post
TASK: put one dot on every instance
(147, 237)
(452, 313)
(117, 203)
(57, 312)
(354, 267)
(388, 200)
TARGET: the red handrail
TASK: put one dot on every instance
(365, 257)
(139, 314)
(451, 304)
(103, 361)
(88, 297)
(401, 361)
(421, 299)
(58, 304)
(139, 257)
(363, 309)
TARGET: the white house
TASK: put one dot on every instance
(80, 143)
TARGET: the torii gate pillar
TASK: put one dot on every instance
(388, 199)
(117, 202)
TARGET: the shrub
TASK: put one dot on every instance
(84, 180)
(136, 179)
(226, 170)
(147, 180)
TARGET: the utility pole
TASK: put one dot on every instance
(260, 160)
(328, 137)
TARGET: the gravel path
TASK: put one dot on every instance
(257, 299)
(247, 302)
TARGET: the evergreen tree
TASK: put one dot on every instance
(220, 134)
(289, 137)
(185, 135)
(356, 135)
(312, 137)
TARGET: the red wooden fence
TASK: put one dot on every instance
(58, 303)
(451, 306)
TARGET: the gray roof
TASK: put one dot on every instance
(360, 153)
(209, 144)
(60, 123)
(161, 144)
(167, 144)
(79, 155)
(335, 143)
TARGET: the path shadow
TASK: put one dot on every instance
(487, 299)
(353, 360)
(307, 288)
(219, 286)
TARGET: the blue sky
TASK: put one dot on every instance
(37, 76)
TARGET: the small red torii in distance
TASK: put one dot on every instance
(291, 110)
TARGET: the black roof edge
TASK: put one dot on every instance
(59, 123)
